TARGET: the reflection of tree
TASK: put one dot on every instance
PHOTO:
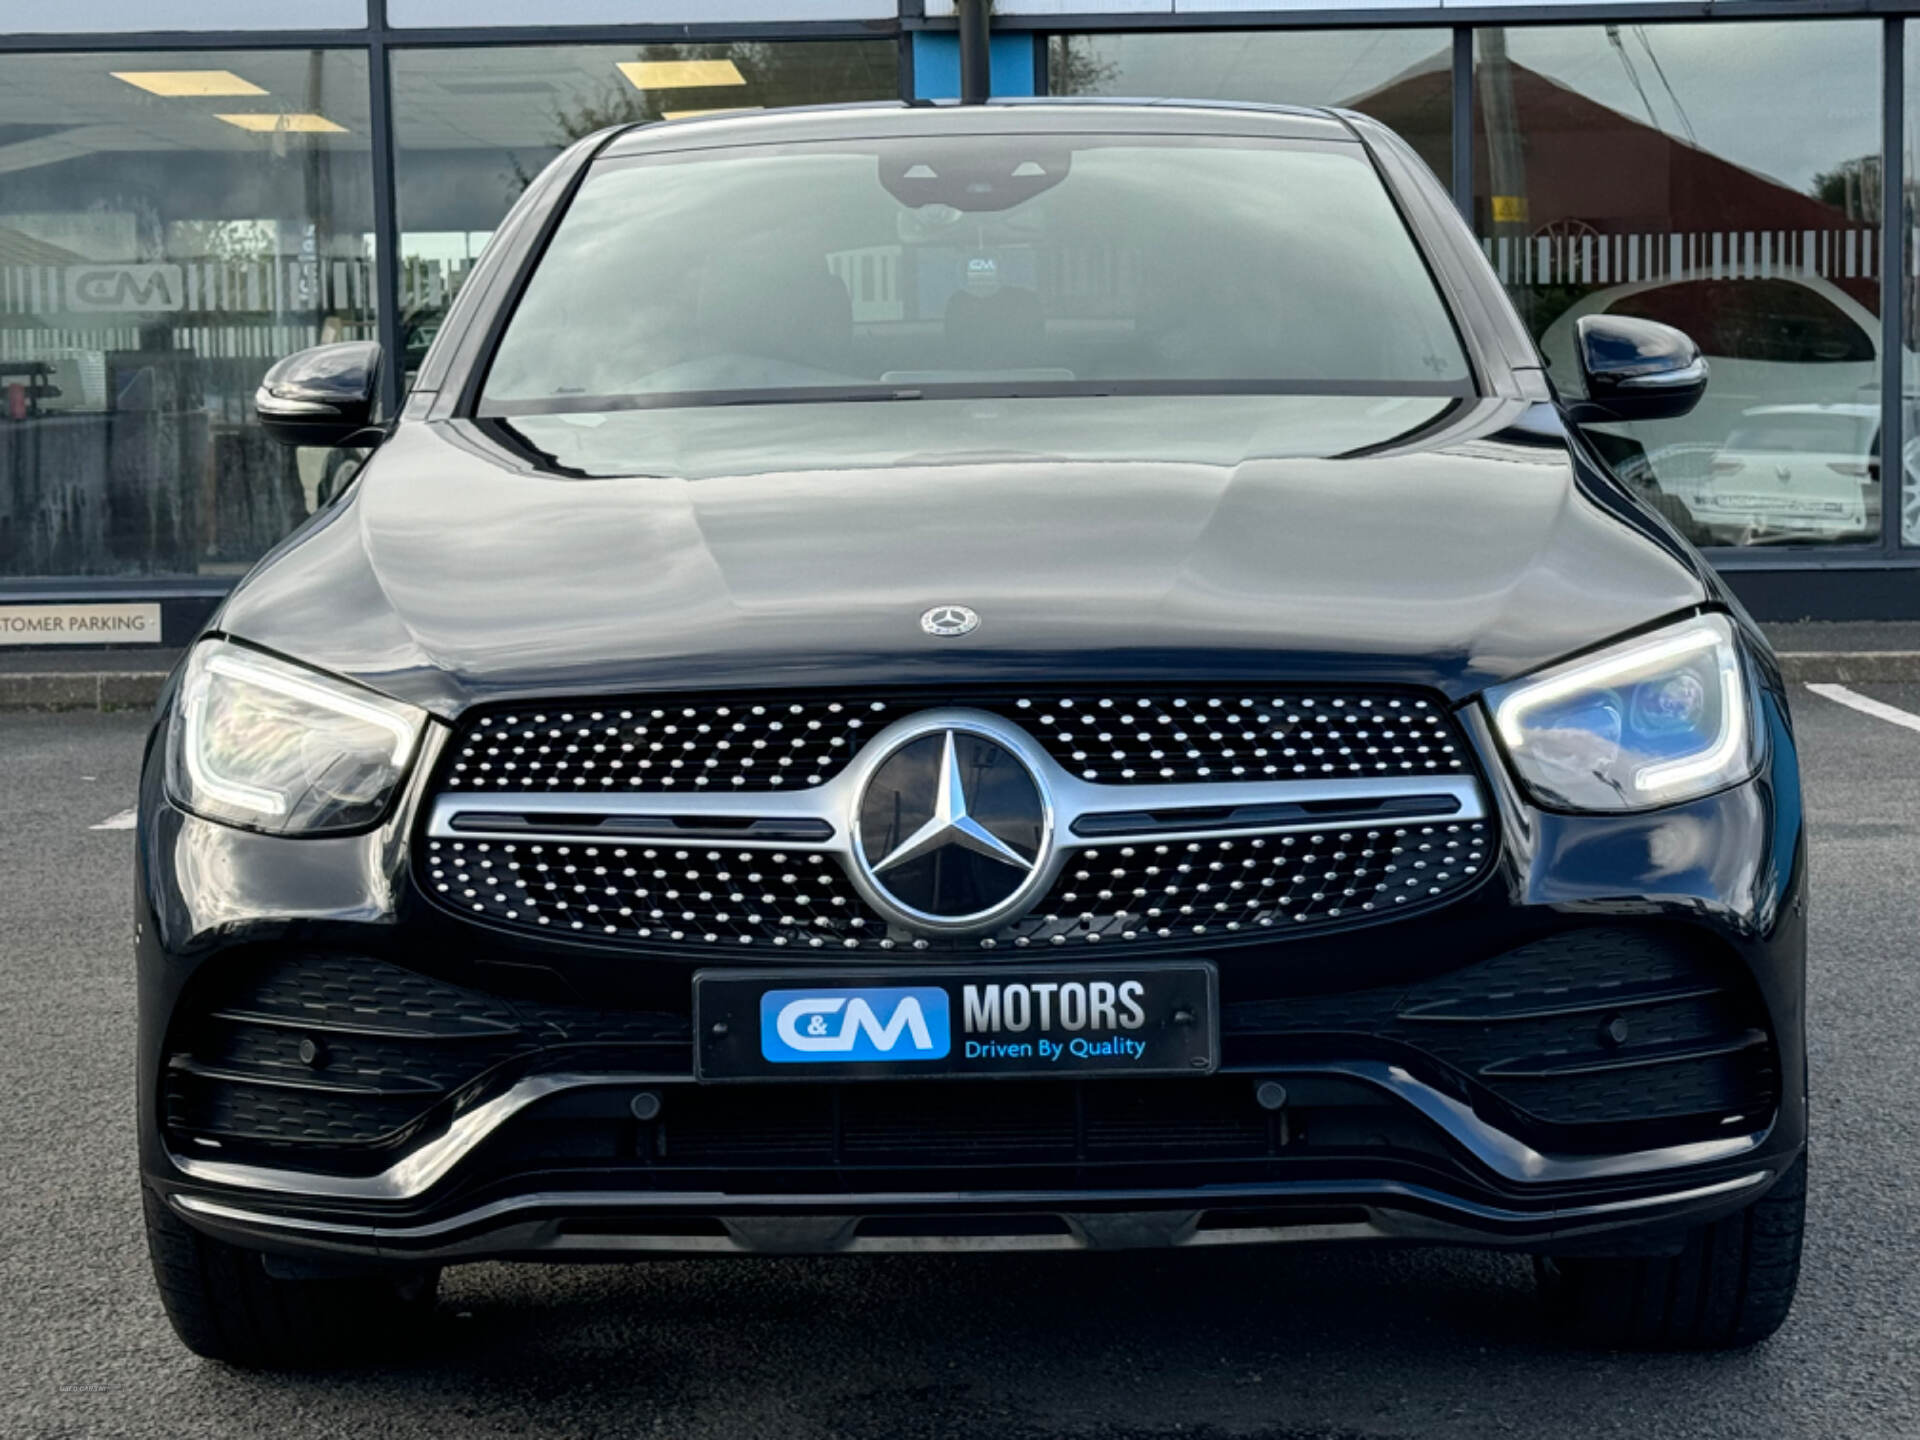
(317, 169)
(1073, 68)
(1852, 187)
(235, 241)
(617, 103)
(791, 73)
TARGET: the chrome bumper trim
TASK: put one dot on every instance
(1505, 1155)
(1383, 1201)
(419, 1170)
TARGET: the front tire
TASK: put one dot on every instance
(225, 1304)
(1731, 1284)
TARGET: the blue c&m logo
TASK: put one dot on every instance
(799, 1027)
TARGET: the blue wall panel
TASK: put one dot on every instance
(936, 65)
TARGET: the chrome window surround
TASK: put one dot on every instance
(824, 818)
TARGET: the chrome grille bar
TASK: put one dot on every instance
(1136, 812)
(1139, 862)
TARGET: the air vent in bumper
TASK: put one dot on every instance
(338, 1050)
(1589, 1028)
(1558, 1042)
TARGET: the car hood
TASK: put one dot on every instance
(1418, 540)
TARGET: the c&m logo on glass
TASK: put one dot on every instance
(899, 1023)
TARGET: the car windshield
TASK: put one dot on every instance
(1048, 264)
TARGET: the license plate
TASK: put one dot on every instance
(1078, 1020)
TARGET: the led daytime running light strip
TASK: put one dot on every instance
(1598, 674)
(282, 683)
(1733, 735)
(278, 681)
(1639, 662)
(244, 797)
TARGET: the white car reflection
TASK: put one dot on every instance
(1793, 472)
(1773, 340)
(1785, 445)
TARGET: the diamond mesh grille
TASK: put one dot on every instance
(1117, 738)
(1161, 739)
(713, 897)
(664, 894)
(1154, 891)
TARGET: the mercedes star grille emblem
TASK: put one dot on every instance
(953, 827)
(949, 620)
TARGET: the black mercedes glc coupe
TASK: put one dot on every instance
(1033, 676)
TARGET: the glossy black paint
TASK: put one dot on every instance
(323, 396)
(1326, 535)
(1728, 870)
(800, 544)
(1442, 543)
(1636, 369)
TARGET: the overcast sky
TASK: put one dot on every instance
(1788, 99)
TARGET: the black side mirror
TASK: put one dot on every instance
(1636, 370)
(324, 396)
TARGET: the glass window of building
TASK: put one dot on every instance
(1910, 327)
(134, 18)
(1402, 78)
(1723, 178)
(474, 126)
(170, 224)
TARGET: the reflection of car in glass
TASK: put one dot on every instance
(417, 329)
(1145, 733)
(1664, 478)
(1781, 341)
(1910, 478)
(1777, 341)
(1793, 472)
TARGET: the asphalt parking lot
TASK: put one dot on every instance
(1297, 1342)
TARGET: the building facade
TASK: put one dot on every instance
(190, 189)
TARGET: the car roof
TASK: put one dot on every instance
(879, 119)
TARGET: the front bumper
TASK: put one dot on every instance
(575, 1138)
(614, 1223)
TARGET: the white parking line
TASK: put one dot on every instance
(123, 821)
(1867, 705)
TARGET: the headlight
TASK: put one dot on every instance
(268, 745)
(1653, 721)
